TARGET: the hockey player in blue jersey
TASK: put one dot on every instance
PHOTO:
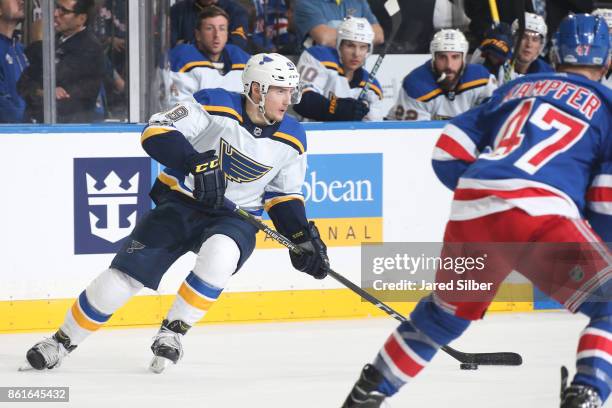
(528, 168)
(221, 145)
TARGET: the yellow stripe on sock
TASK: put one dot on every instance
(81, 320)
(193, 298)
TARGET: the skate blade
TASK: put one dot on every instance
(159, 364)
(26, 367)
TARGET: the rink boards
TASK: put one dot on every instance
(72, 192)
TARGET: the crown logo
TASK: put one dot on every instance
(112, 185)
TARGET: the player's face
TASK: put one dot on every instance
(211, 36)
(353, 54)
(450, 63)
(11, 10)
(65, 19)
(277, 102)
(531, 45)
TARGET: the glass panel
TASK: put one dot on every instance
(111, 28)
(89, 60)
(157, 55)
(12, 61)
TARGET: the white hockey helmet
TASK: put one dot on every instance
(271, 70)
(355, 29)
(533, 22)
(606, 13)
(449, 40)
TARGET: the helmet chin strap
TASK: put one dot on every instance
(261, 108)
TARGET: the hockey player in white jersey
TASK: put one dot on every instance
(334, 78)
(444, 86)
(220, 145)
(527, 59)
(207, 63)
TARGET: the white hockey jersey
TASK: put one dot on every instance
(507, 73)
(607, 80)
(263, 165)
(191, 70)
(421, 98)
(322, 72)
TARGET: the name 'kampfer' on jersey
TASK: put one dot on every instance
(577, 97)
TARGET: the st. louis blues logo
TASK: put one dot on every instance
(238, 167)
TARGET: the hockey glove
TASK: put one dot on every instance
(208, 179)
(314, 260)
(347, 109)
(496, 45)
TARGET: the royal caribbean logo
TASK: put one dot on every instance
(343, 194)
(110, 194)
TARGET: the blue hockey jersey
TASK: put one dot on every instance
(542, 143)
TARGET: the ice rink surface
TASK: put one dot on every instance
(301, 365)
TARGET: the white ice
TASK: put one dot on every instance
(301, 364)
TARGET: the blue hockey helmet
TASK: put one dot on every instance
(582, 39)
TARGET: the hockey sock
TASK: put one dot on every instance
(193, 300)
(594, 357)
(413, 344)
(217, 261)
(96, 304)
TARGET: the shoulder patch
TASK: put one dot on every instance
(238, 57)
(220, 102)
(475, 76)
(327, 56)
(185, 57)
(474, 72)
(374, 86)
(291, 132)
(420, 84)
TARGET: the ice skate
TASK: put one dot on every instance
(364, 393)
(167, 347)
(48, 353)
(577, 395)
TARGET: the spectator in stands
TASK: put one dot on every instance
(333, 78)
(210, 62)
(79, 67)
(527, 59)
(271, 27)
(444, 86)
(184, 19)
(316, 21)
(12, 61)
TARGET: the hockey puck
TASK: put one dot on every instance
(469, 366)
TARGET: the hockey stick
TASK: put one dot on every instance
(467, 360)
(494, 11)
(392, 8)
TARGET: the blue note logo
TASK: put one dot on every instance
(238, 167)
(110, 194)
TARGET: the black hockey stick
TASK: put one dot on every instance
(392, 8)
(467, 360)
